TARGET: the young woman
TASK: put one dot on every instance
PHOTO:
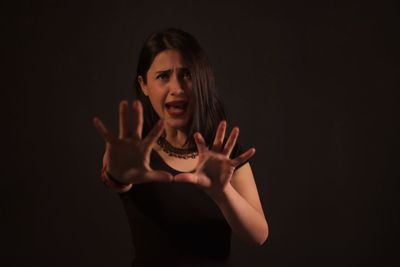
(183, 184)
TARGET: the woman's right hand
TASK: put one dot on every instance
(128, 157)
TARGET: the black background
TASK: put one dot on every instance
(313, 87)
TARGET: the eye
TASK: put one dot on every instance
(187, 75)
(162, 76)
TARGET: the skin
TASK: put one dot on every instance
(128, 158)
(168, 80)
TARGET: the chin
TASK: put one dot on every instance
(177, 123)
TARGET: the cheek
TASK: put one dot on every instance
(189, 90)
(157, 98)
(189, 84)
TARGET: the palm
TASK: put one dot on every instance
(215, 169)
(128, 156)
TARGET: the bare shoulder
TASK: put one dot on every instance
(244, 183)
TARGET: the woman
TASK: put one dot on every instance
(183, 184)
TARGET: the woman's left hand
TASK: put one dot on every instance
(215, 169)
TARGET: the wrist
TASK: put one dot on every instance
(113, 183)
(222, 195)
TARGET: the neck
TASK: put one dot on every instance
(176, 137)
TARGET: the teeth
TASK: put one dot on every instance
(178, 106)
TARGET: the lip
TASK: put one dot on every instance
(176, 108)
(178, 103)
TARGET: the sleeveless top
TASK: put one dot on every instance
(176, 223)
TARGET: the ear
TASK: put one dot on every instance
(143, 85)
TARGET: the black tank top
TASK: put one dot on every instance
(176, 223)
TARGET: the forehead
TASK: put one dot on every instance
(167, 59)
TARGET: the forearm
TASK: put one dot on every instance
(246, 222)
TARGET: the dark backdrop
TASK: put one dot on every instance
(313, 87)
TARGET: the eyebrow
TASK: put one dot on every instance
(169, 70)
(163, 71)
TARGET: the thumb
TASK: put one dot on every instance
(186, 178)
(160, 176)
(131, 175)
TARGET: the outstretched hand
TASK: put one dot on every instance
(128, 157)
(215, 169)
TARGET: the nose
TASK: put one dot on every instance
(176, 87)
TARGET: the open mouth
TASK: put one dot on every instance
(177, 107)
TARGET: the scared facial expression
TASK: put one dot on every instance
(169, 88)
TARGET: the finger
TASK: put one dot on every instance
(186, 178)
(153, 135)
(137, 176)
(200, 143)
(219, 137)
(123, 119)
(243, 157)
(107, 136)
(230, 143)
(137, 119)
(160, 176)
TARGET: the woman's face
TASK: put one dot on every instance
(169, 88)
